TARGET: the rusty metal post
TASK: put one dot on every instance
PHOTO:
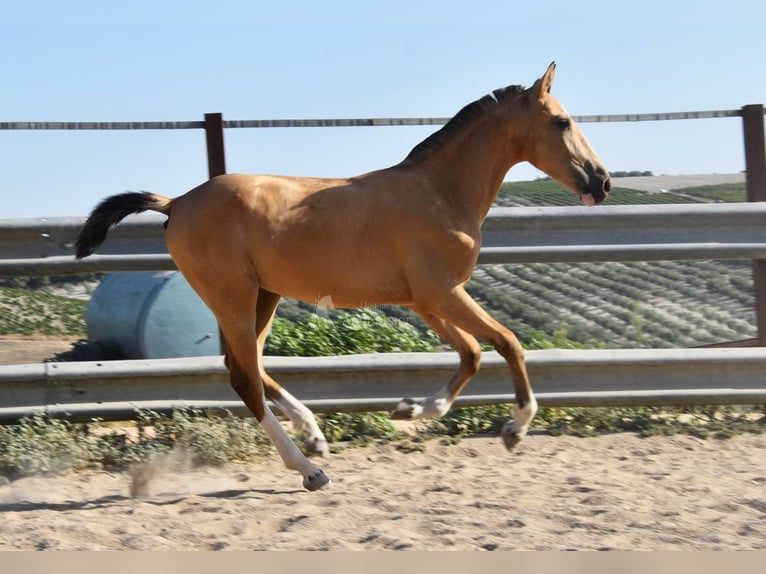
(216, 165)
(216, 158)
(755, 165)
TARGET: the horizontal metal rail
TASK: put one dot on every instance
(114, 390)
(509, 235)
(344, 122)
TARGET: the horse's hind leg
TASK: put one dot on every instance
(314, 442)
(459, 309)
(235, 308)
(468, 349)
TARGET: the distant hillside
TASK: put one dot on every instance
(657, 183)
(549, 192)
(654, 305)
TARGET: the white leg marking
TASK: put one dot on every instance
(437, 405)
(313, 477)
(516, 429)
(434, 406)
(304, 423)
(522, 417)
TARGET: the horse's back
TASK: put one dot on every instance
(301, 237)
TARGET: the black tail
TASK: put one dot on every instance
(110, 212)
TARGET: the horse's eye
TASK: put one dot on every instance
(564, 123)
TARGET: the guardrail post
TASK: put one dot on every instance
(216, 163)
(216, 158)
(755, 164)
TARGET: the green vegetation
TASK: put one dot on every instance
(700, 421)
(650, 305)
(25, 312)
(44, 283)
(644, 173)
(358, 331)
(726, 192)
(358, 428)
(42, 446)
(549, 192)
(703, 422)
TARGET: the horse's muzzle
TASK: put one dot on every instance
(598, 185)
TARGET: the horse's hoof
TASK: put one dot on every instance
(407, 409)
(316, 480)
(316, 447)
(511, 437)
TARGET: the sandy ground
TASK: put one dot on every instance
(17, 350)
(612, 492)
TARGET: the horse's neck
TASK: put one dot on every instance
(469, 171)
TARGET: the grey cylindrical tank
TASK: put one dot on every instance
(151, 315)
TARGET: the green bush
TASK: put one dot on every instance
(38, 445)
(467, 421)
(359, 331)
(214, 438)
(559, 340)
(701, 421)
(357, 427)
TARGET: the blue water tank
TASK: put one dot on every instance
(151, 315)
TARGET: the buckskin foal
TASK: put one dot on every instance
(407, 235)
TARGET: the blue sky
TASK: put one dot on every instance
(152, 60)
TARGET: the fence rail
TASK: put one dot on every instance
(345, 122)
(31, 247)
(114, 390)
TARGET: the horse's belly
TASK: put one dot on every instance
(336, 285)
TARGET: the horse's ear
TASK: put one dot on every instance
(543, 85)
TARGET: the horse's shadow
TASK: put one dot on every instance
(29, 505)
(118, 499)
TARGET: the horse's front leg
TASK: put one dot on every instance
(457, 309)
(468, 349)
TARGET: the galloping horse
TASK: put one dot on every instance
(406, 235)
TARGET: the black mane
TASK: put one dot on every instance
(464, 117)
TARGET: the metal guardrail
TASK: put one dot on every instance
(510, 235)
(114, 390)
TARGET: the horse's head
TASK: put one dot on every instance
(558, 147)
